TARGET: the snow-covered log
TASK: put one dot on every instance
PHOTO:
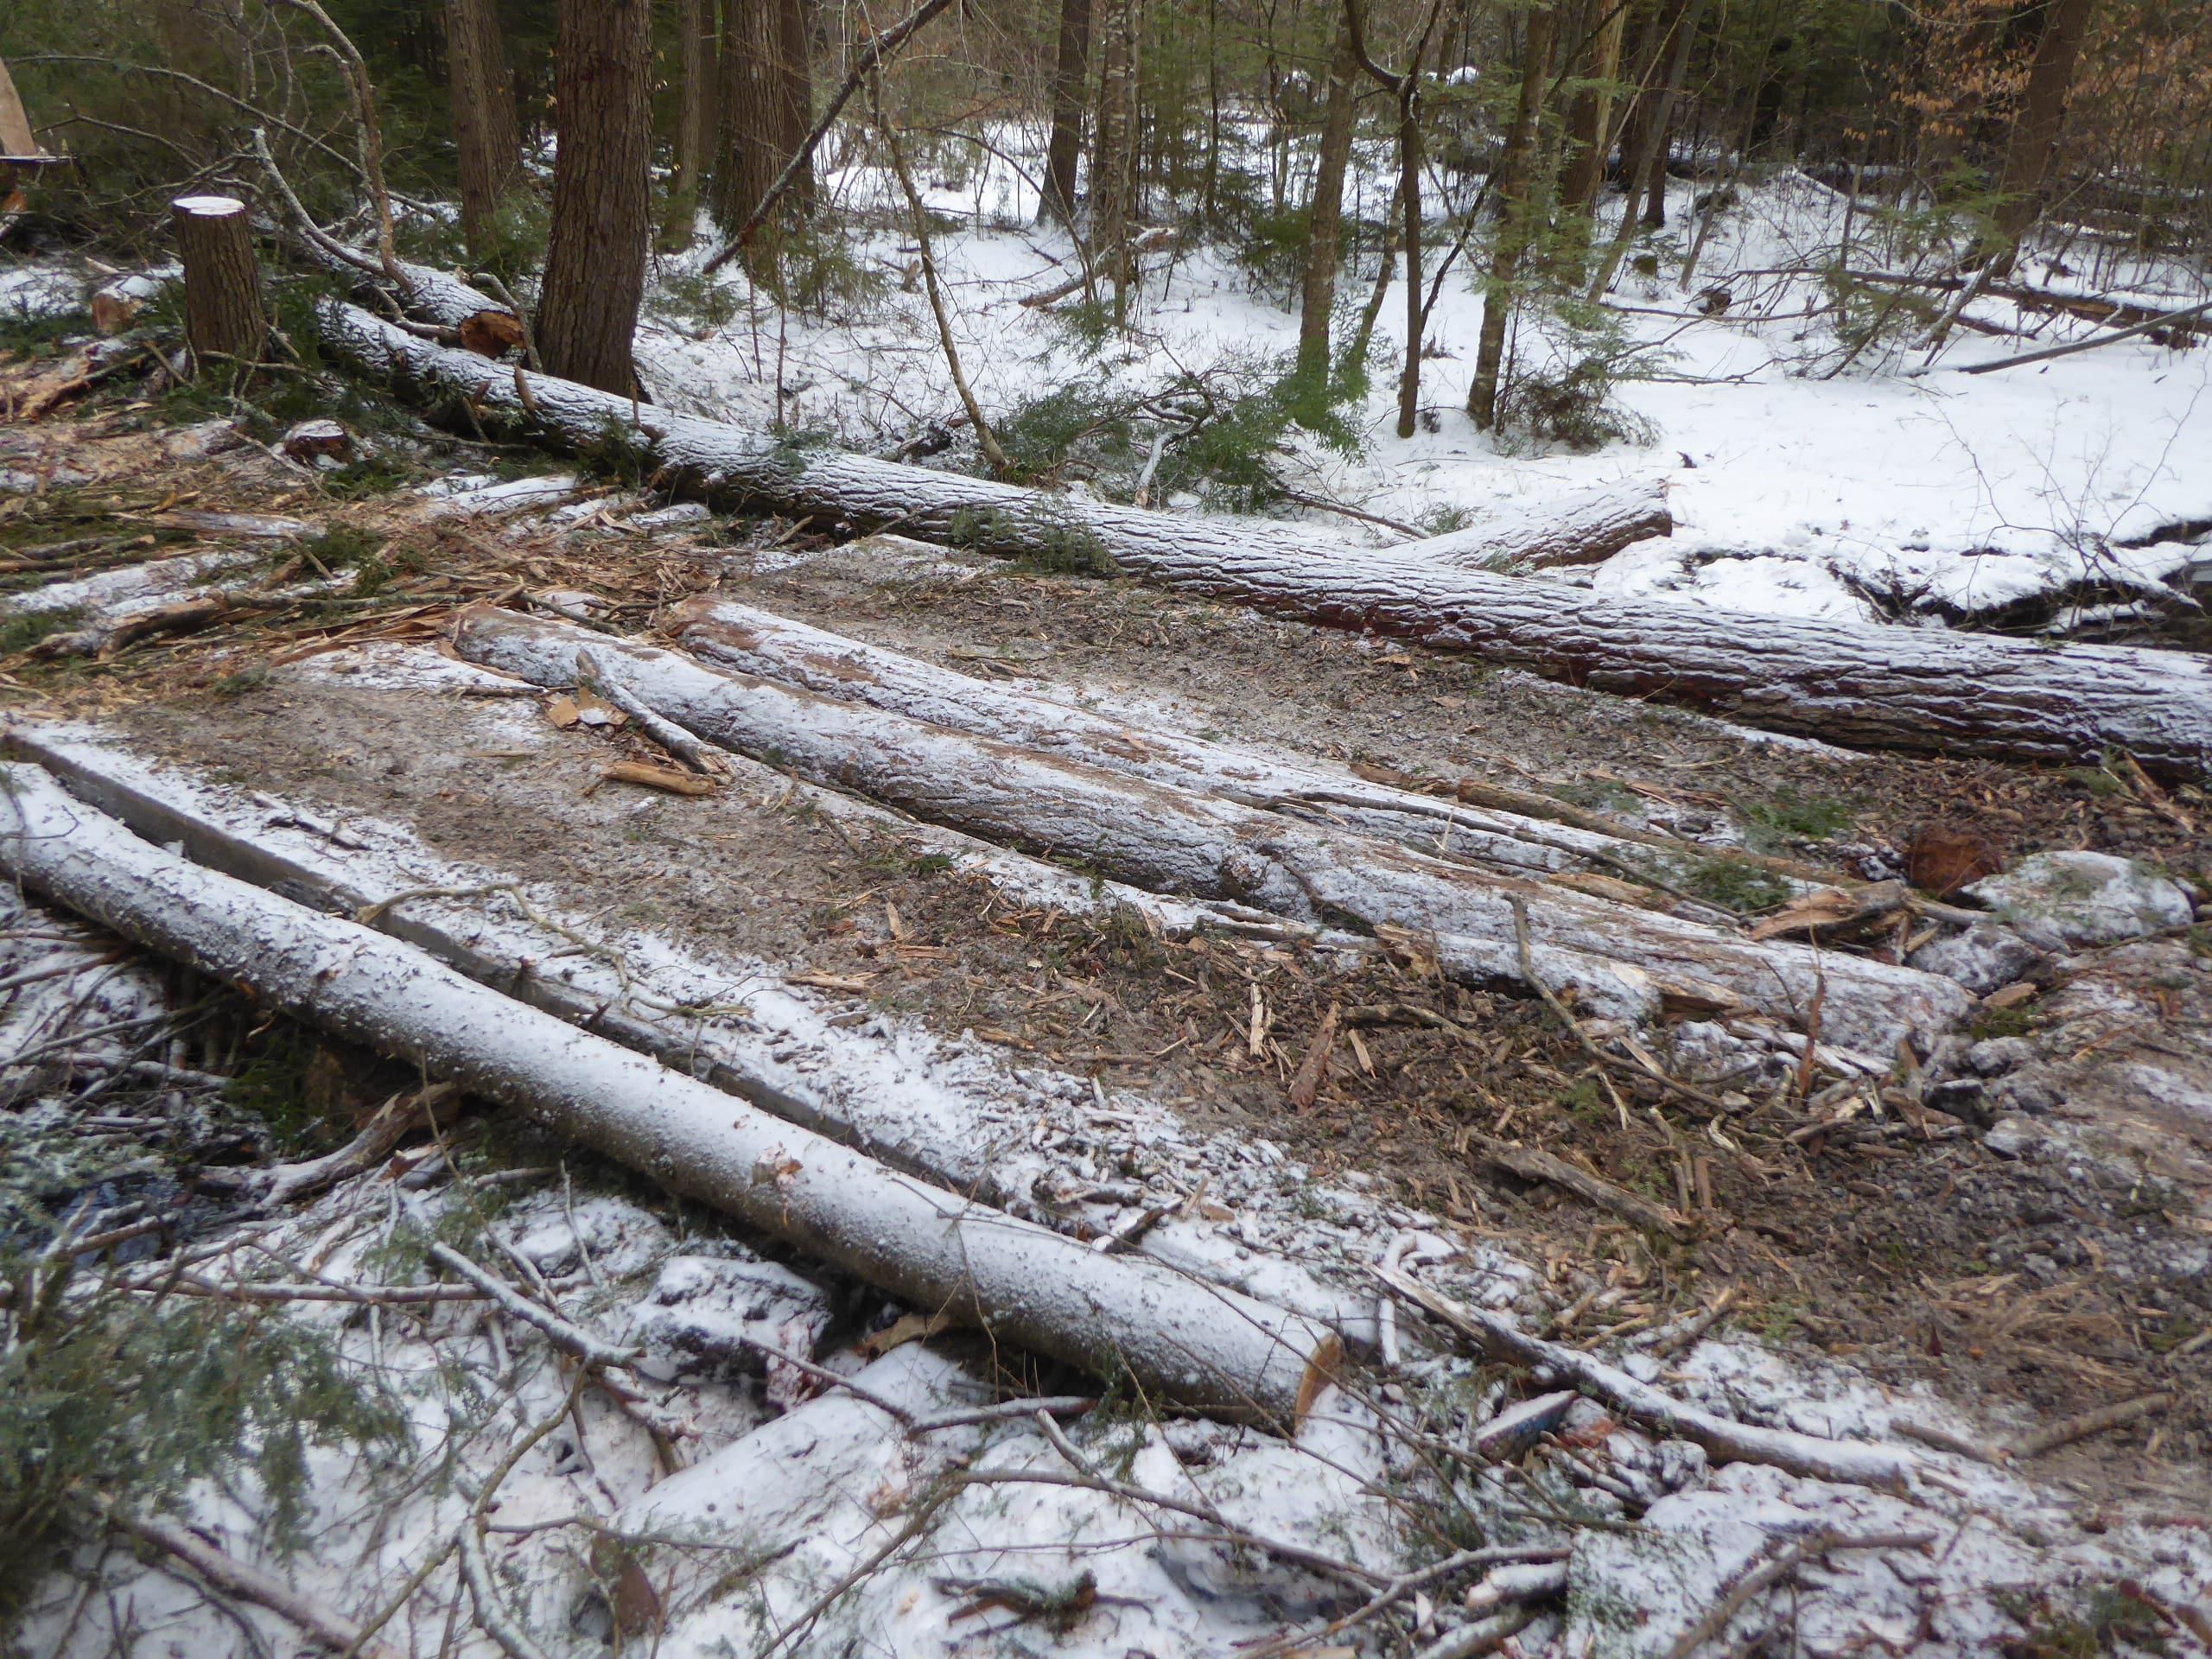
(1033, 1288)
(1622, 960)
(1875, 687)
(1585, 528)
(749, 641)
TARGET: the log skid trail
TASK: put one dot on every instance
(1861, 686)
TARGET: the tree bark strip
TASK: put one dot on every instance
(1622, 961)
(1208, 1348)
(1853, 683)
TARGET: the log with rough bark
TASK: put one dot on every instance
(1587, 527)
(1206, 1347)
(222, 284)
(1621, 961)
(1867, 686)
(738, 637)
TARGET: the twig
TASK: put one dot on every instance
(571, 1339)
(492, 1615)
(1533, 1164)
(2166, 321)
(2066, 1430)
(1723, 1439)
(1484, 1636)
(246, 1582)
(1779, 1567)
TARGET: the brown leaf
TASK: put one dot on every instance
(1941, 858)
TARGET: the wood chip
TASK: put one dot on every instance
(661, 778)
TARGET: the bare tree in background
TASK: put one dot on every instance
(484, 127)
(602, 191)
(694, 104)
(1590, 116)
(2034, 141)
(1318, 293)
(1517, 171)
(1063, 150)
(1114, 158)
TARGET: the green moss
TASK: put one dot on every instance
(26, 628)
(1790, 816)
(1733, 884)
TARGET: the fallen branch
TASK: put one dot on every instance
(1210, 1349)
(1585, 528)
(2148, 325)
(1533, 1164)
(2068, 1430)
(248, 1583)
(571, 1339)
(1779, 1567)
(1723, 1439)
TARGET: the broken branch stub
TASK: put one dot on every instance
(1206, 1348)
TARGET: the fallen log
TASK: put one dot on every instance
(787, 1055)
(749, 641)
(1622, 961)
(1207, 1348)
(1585, 528)
(1868, 686)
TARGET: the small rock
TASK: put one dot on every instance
(1995, 1055)
(2062, 899)
(313, 441)
(1982, 958)
(1961, 1097)
(2028, 1091)
(2014, 1137)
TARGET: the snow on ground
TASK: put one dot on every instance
(1802, 483)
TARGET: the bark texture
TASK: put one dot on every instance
(1585, 528)
(1622, 961)
(794, 99)
(602, 192)
(752, 149)
(1209, 1348)
(1853, 684)
(1114, 158)
(223, 315)
(484, 127)
(1071, 71)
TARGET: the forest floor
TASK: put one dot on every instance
(2013, 1278)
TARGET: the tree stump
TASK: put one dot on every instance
(222, 284)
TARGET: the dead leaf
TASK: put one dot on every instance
(908, 1328)
(1941, 858)
(562, 711)
(2007, 996)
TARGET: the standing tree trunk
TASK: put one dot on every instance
(2034, 141)
(694, 80)
(1063, 152)
(602, 191)
(1589, 122)
(1409, 158)
(1647, 168)
(1113, 162)
(794, 100)
(484, 127)
(752, 152)
(222, 285)
(1517, 171)
(1318, 297)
